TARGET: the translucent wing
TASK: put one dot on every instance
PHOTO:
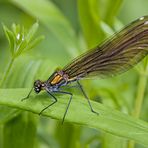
(117, 55)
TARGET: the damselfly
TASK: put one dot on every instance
(116, 55)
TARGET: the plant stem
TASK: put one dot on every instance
(6, 72)
(138, 102)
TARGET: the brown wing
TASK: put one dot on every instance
(117, 55)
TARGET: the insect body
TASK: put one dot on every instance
(116, 55)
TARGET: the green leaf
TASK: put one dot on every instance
(20, 131)
(16, 28)
(112, 10)
(32, 32)
(34, 43)
(109, 120)
(49, 15)
(107, 29)
(90, 21)
(118, 25)
(10, 38)
(7, 113)
(110, 141)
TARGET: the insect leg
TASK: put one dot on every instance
(55, 100)
(68, 93)
(82, 90)
(27, 95)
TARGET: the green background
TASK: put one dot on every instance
(69, 27)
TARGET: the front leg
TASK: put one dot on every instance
(55, 100)
(27, 95)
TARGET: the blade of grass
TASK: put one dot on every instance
(138, 102)
(112, 10)
(110, 141)
(10, 39)
(109, 120)
(32, 32)
(7, 113)
(6, 72)
(23, 126)
(90, 21)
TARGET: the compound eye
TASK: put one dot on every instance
(37, 86)
(37, 90)
(37, 83)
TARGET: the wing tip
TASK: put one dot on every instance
(144, 19)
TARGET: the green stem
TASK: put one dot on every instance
(140, 96)
(6, 72)
(138, 102)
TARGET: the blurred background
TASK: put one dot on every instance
(69, 27)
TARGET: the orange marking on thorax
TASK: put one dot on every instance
(56, 79)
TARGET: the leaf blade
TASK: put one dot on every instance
(109, 120)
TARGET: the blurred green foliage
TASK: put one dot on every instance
(70, 27)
